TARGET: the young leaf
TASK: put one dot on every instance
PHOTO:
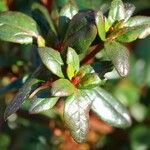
(62, 87)
(119, 55)
(52, 60)
(100, 23)
(109, 109)
(73, 59)
(130, 34)
(89, 81)
(42, 101)
(81, 32)
(116, 12)
(17, 27)
(76, 115)
(129, 9)
(20, 97)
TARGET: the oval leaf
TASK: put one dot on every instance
(100, 23)
(116, 12)
(52, 60)
(20, 97)
(17, 27)
(42, 102)
(81, 32)
(76, 115)
(109, 109)
(62, 87)
(119, 55)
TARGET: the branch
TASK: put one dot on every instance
(92, 54)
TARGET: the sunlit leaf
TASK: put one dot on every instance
(42, 102)
(117, 11)
(17, 27)
(119, 55)
(76, 115)
(62, 87)
(109, 109)
(52, 60)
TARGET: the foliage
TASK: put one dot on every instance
(67, 42)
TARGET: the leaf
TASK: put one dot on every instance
(42, 102)
(116, 12)
(89, 81)
(73, 59)
(62, 87)
(20, 97)
(109, 109)
(100, 23)
(81, 32)
(119, 55)
(52, 60)
(17, 27)
(129, 9)
(130, 34)
(66, 14)
(70, 71)
(76, 115)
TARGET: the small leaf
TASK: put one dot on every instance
(42, 102)
(100, 23)
(20, 97)
(62, 87)
(119, 55)
(70, 71)
(116, 12)
(73, 59)
(81, 32)
(89, 81)
(129, 9)
(109, 109)
(52, 60)
(17, 27)
(76, 115)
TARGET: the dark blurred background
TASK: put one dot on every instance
(46, 131)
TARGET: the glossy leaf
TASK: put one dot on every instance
(117, 11)
(100, 23)
(62, 87)
(52, 60)
(109, 109)
(20, 97)
(81, 32)
(132, 33)
(42, 102)
(17, 27)
(76, 115)
(129, 9)
(73, 59)
(119, 55)
(90, 81)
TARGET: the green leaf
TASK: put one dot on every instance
(73, 59)
(20, 97)
(109, 109)
(116, 12)
(119, 55)
(76, 115)
(130, 34)
(52, 60)
(129, 9)
(66, 14)
(62, 87)
(89, 81)
(17, 27)
(100, 23)
(81, 32)
(42, 102)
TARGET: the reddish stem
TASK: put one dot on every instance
(92, 54)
